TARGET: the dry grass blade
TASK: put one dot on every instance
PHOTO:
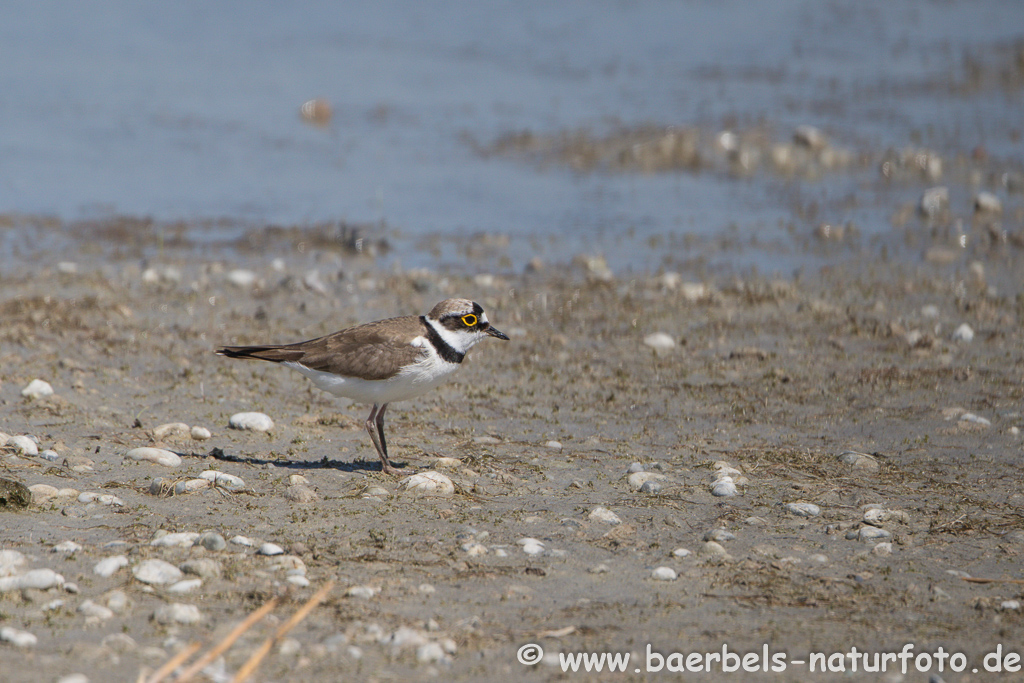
(228, 641)
(250, 666)
(971, 579)
(172, 663)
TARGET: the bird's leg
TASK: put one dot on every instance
(383, 440)
(375, 427)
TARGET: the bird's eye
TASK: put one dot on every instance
(469, 320)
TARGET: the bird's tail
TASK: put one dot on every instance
(272, 353)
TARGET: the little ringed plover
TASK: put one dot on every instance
(383, 361)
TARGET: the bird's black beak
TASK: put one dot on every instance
(494, 332)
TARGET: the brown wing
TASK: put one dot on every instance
(376, 350)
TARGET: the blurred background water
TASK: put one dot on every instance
(189, 110)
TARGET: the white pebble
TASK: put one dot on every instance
(868, 533)
(532, 547)
(712, 548)
(73, 678)
(184, 586)
(881, 549)
(1010, 605)
(270, 549)
(157, 456)
(101, 498)
(186, 487)
(200, 433)
(296, 479)
(659, 341)
(636, 480)
(170, 429)
(859, 461)
(300, 493)
(223, 479)
(67, 547)
(95, 611)
(23, 445)
(603, 514)
(109, 565)
(118, 601)
(17, 637)
(243, 540)
(365, 592)
(432, 652)
(40, 579)
(976, 419)
(429, 483)
(177, 613)
(183, 539)
(486, 440)
(240, 277)
(986, 202)
(10, 560)
(298, 580)
(964, 333)
(724, 489)
(256, 422)
(157, 572)
(803, 509)
(680, 552)
(37, 388)
(553, 445)
(51, 455)
(664, 574)
(474, 549)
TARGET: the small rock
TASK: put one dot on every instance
(986, 202)
(256, 422)
(659, 341)
(23, 445)
(859, 461)
(486, 440)
(934, 201)
(474, 549)
(884, 548)
(100, 498)
(1010, 605)
(680, 552)
(724, 488)
(108, 566)
(118, 601)
(171, 429)
(17, 637)
(603, 514)
(652, 487)
(803, 509)
(810, 137)
(664, 574)
(184, 539)
(240, 277)
(243, 540)
(203, 567)
(553, 445)
(177, 613)
(182, 488)
(200, 433)
(37, 388)
(185, 586)
(156, 572)
(719, 535)
(964, 333)
(300, 493)
(531, 546)
(428, 483)
(73, 678)
(67, 547)
(40, 579)
(92, 610)
(599, 569)
(870, 533)
(712, 548)
(365, 592)
(430, 653)
(157, 456)
(212, 541)
(636, 480)
(223, 480)
(270, 549)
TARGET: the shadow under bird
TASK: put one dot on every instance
(384, 361)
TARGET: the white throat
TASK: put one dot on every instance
(457, 339)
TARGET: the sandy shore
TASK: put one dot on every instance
(776, 378)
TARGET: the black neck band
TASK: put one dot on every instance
(443, 348)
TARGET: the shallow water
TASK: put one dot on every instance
(190, 111)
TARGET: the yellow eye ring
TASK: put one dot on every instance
(469, 320)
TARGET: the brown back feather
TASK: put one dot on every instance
(369, 351)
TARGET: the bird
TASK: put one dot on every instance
(384, 361)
